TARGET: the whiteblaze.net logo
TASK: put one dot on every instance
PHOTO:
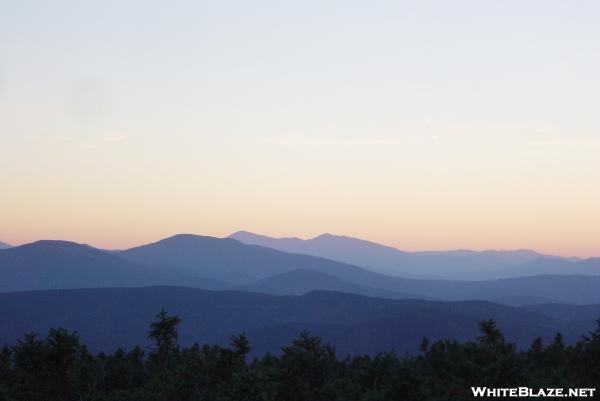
(527, 392)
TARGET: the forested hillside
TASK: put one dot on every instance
(107, 318)
(59, 367)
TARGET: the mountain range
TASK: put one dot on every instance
(225, 263)
(222, 286)
(298, 282)
(4, 245)
(230, 260)
(446, 265)
(61, 264)
(354, 324)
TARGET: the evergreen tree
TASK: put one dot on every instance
(58, 367)
(163, 332)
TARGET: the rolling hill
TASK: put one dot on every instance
(214, 263)
(568, 313)
(453, 265)
(299, 282)
(107, 318)
(61, 264)
(230, 260)
(545, 266)
(227, 259)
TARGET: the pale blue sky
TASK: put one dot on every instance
(383, 119)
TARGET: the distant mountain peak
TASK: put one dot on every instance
(183, 236)
(248, 235)
(54, 245)
(4, 245)
(328, 235)
(441, 264)
(334, 236)
(187, 238)
(244, 232)
(45, 250)
(50, 264)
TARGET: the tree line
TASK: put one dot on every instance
(59, 367)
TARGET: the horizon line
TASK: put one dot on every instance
(442, 250)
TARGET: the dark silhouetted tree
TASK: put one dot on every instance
(163, 332)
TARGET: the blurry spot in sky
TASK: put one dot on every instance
(88, 101)
(1, 80)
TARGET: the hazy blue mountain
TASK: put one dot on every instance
(4, 245)
(541, 266)
(575, 289)
(299, 282)
(522, 300)
(589, 266)
(457, 264)
(207, 262)
(567, 313)
(62, 264)
(233, 261)
(230, 260)
(344, 249)
(107, 318)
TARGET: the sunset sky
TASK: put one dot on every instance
(421, 125)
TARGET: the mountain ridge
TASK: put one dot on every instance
(452, 264)
(112, 317)
(300, 282)
(215, 263)
(48, 264)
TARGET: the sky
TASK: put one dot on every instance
(422, 125)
